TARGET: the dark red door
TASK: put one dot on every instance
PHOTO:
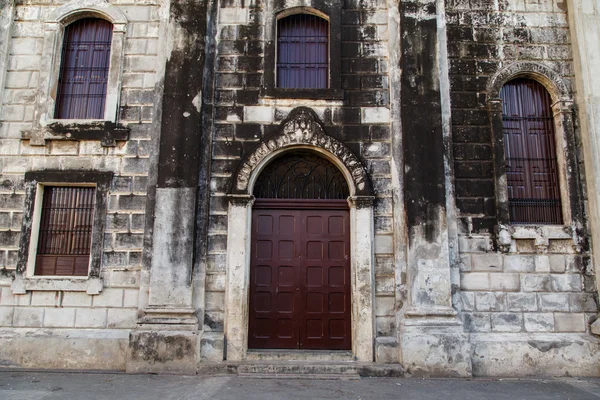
(300, 275)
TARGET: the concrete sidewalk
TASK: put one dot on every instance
(61, 385)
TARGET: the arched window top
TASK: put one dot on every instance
(74, 10)
(84, 69)
(530, 153)
(525, 97)
(302, 51)
(301, 175)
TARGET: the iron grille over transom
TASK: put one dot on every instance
(301, 176)
(530, 151)
(65, 231)
(302, 52)
(84, 70)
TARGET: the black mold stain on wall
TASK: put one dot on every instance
(421, 118)
(181, 127)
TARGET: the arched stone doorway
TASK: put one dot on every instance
(300, 256)
(301, 134)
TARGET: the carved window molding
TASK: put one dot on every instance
(562, 109)
(333, 14)
(45, 126)
(35, 181)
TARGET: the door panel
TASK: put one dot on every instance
(299, 279)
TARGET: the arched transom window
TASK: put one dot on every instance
(530, 151)
(84, 70)
(302, 52)
(301, 175)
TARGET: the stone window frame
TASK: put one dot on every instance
(328, 11)
(45, 126)
(35, 181)
(569, 179)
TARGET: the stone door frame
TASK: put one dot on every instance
(301, 131)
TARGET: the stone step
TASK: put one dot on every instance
(297, 368)
(307, 369)
(300, 355)
(301, 376)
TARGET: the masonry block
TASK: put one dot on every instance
(475, 281)
(522, 302)
(519, 263)
(59, 317)
(569, 322)
(507, 322)
(90, 318)
(539, 322)
(553, 301)
(109, 297)
(487, 262)
(505, 282)
(30, 317)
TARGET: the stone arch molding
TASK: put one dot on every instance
(69, 12)
(551, 80)
(302, 129)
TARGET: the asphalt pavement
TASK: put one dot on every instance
(21, 385)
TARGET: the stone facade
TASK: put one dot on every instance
(442, 283)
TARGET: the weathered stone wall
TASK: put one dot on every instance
(517, 283)
(51, 315)
(244, 116)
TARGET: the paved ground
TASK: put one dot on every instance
(80, 386)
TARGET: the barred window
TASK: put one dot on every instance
(84, 70)
(302, 52)
(530, 151)
(65, 231)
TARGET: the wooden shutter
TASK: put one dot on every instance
(84, 70)
(302, 52)
(65, 231)
(530, 150)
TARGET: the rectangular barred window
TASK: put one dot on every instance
(302, 52)
(65, 231)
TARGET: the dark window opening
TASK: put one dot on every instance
(302, 52)
(65, 231)
(84, 70)
(301, 175)
(530, 151)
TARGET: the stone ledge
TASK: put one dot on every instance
(106, 131)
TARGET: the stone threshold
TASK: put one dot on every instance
(295, 369)
(300, 355)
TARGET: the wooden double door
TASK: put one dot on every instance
(300, 275)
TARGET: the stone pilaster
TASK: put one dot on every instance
(431, 336)
(584, 24)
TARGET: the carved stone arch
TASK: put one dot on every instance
(551, 80)
(74, 10)
(302, 129)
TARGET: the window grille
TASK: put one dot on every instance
(84, 70)
(65, 231)
(530, 151)
(301, 176)
(302, 52)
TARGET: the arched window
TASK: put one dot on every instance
(301, 175)
(302, 52)
(530, 151)
(84, 70)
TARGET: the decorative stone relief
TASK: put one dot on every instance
(303, 128)
(550, 79)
